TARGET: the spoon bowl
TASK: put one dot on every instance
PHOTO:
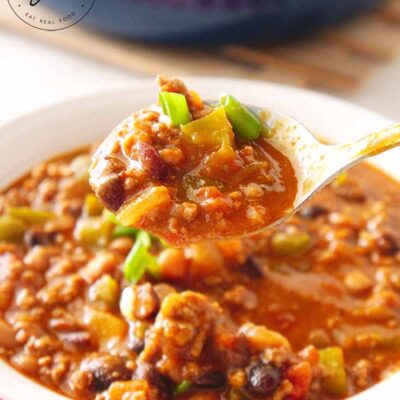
(303, 166)
(317, 164)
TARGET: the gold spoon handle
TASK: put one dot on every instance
(372, 144)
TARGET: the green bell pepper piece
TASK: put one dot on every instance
(335, 381)
(212, 130)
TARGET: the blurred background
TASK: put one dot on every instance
(348, 48)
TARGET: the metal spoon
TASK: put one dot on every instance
(317, 164)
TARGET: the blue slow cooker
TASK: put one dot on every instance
(216, 21)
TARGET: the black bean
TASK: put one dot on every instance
(161, 382)
(312, 211)
(151, 161)
(387, 244)
(211, 380)
(251, 268)
(111, 192)
(105, 369)
(34, 237)
(263, 379)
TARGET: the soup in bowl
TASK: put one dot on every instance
(91, 309)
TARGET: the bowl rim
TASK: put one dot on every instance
(284, 93)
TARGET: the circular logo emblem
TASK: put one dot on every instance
(51, 15)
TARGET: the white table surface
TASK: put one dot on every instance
(33, 75)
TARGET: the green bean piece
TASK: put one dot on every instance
(135, 264)
(245, 123)
(182, 387)
(124, 231)
(145, 238)
(11, 229)
(140, 260)
(175, 106)
(153, 267)
(109, 216)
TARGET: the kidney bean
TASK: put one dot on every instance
(351, 193)
(151, 161)
(313, 211)
(111, 192)
(387, 244)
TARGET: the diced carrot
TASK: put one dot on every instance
(137, 389)
(149, 202)
(300, 376)
(310, 354)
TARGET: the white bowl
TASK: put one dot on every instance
(73, 124)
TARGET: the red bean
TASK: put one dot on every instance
(111, 192)
(151, 161)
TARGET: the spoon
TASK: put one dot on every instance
(317, 164)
